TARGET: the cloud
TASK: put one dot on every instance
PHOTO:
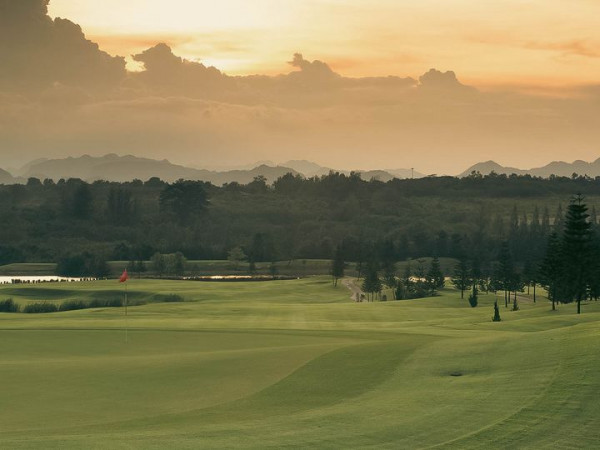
(36, 51)
(61, 95)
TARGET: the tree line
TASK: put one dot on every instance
(294, 218)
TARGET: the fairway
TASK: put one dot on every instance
(294, 364)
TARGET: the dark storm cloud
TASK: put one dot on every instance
(37, 51)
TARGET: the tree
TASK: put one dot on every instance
(159, 265)
(577, 252)
(506, 272)
(184, 200)
(236, 256)
(496, 317)
(435, 274)
(176, 264)
(389, 277)
(120, 207)
(515, 306)
(473, 297)
(462, 277)
(273, 270)
(372, 283)
(551, 268)
(338, 265)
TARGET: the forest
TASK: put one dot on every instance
(294, 218)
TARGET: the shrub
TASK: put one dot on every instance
(172, 298)
(106, 303)
(496, 317)
(9, 306)
(515, 305)
(473, 297)
(40, 308)
(73, 305)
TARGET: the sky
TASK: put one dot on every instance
(436, 85)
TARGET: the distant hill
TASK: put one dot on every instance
(126, 168)
(308, 168)
(311, 169)
(113, 167)
(558, 168)
(485, 168)
(5, 177)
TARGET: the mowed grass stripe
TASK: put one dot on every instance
(295, 365)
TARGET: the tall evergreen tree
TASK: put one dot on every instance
(337, 266)
(506, 271)
(435, 275)
(577, 252)
(559, 220)
(372, 284)
(462, 279)
(551, 268)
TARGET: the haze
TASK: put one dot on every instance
(513, 81)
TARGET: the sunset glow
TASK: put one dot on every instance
(488, 44)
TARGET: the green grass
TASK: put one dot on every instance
(294, 364)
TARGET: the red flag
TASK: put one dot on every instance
(124, 277)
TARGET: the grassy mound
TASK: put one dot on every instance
(295, 364)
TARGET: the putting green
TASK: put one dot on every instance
(294, 364)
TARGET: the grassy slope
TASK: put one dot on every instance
(295, 364)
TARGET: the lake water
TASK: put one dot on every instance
(38, 279)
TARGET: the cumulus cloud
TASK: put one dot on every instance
(36, 51)
(61, 95)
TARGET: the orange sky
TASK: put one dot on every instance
(514, 81)
(533, 43)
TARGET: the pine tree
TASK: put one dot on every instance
(371, 283)
(577, 252)
(551, 268)
(473, 297)
(462, 277)
(546, 222)
(496, 317)
(435, 274)
(506, 273)
(559, 220)
(389, 276)
(515, 306)
(337, 266)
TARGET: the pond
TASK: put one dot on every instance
(16, 279)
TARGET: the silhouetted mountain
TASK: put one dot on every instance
(558, 168)
(485, 168)
(5, 177)
(405, 173)
(308, 168)
(126, 168)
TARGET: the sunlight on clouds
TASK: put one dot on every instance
(486, 42)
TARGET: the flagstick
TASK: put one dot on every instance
(126, 321)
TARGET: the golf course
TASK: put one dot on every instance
(294, 364)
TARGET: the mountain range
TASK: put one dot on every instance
(113, 167)
(558, 168)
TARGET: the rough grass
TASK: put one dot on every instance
(295, 364)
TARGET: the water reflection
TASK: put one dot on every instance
(40, 279)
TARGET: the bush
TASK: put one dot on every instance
(172, 298)
(9, 306)
(515, 305)
(73, 305)
(473, 298)
(40, 308)
(496, 317)
(106, 303)
(83, 264)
